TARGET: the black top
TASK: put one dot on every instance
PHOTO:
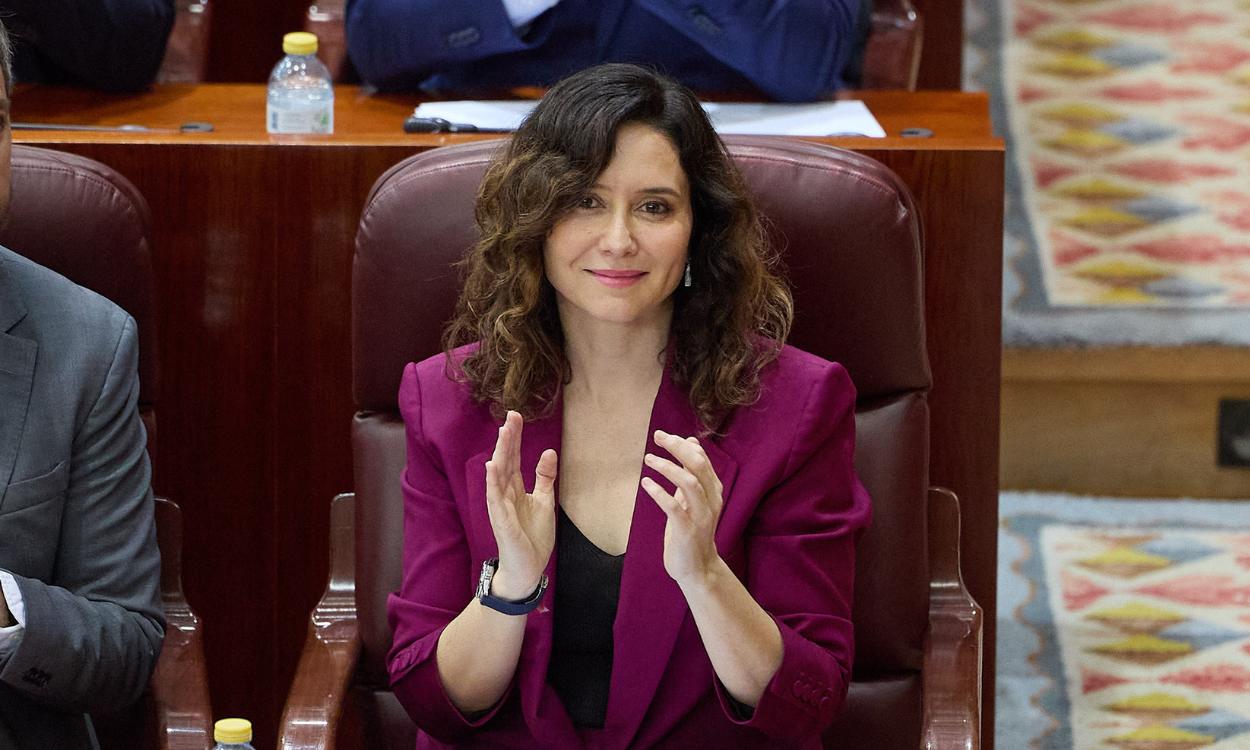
(588, 585)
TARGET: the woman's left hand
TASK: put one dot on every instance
(693, 512)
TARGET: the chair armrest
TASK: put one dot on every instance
(179, 685)
(892, 51)
(952, 657)
(331, 648)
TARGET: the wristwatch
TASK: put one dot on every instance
(525, 606)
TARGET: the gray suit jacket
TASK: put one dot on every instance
(76, 517)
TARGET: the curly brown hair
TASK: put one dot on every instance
(727, 326)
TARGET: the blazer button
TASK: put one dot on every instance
(703, 22)
(798, 689)
(465, 37)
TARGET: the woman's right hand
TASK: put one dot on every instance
(524, 523)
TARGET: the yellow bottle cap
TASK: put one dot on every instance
(233, 730)
(299, 43)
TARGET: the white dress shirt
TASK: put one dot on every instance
(12, 635)
(521, 12)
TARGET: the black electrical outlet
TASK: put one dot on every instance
(1234, 432)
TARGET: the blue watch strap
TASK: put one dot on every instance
(506, 606)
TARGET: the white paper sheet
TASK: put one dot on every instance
(841, 118)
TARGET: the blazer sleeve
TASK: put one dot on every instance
(801, 566)
(792, 50)
(397, 44)
(92, 636)
(114, 45)
(434, 587)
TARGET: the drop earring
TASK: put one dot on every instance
(686, 282)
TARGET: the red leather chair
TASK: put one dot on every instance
(85, 221)
(891, 53)
(852, 245)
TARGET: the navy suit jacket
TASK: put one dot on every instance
(793, 511)
(789, 50)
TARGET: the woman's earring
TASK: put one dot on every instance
(687, 281)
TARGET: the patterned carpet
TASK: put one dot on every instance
(1123, 624)
(1128, 129)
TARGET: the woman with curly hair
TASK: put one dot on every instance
(681, 575)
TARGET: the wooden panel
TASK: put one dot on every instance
(246, 38)
(941, 57)
(1137, 422)
(312, 386)
(1137, 364)
(959, 121)
(253, 238)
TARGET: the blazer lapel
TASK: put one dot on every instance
(651, 607)
(541, 707)
(17, 376)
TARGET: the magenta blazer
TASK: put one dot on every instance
(793, 510)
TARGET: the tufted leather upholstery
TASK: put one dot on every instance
(851, 241)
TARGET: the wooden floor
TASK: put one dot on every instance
(1135, 422)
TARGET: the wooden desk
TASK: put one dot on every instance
(253, 239)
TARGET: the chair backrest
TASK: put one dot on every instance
(892, 52)
(327, 19)
(186, 51)
(850, 237)
(85, 221)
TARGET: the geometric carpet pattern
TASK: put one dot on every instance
(1127, 124)
(1141, 626)
(1132, 121)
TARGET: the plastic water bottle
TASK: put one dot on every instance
(301, 96)
(233, 734)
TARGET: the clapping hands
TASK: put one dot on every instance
(524, 523)
(693, 512)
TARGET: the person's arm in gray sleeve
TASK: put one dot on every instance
(92, 636)
(113, 45)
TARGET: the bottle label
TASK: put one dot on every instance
(319, 121)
